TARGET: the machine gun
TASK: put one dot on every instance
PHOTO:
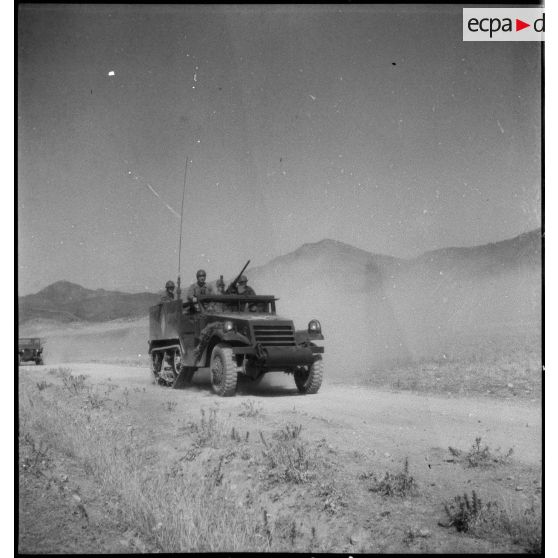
(232, 287)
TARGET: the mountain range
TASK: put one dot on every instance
(503, 278)
(67, 302)
(373, 308)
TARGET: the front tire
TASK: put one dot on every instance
(223, 371)
(309, 379)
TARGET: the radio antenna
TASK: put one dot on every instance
(178, 292)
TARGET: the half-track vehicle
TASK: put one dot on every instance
(232, 335)
(30, 349)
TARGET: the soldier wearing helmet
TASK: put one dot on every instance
(242, 287)
(199, 287)
(169, 292)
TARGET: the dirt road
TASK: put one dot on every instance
(357, 417)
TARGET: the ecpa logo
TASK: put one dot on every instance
(503, 24)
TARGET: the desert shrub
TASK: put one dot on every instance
(464, 513)
(331, 497)
(209, 431)
(36, 458)
(237, 437)
(393, 484)
(74, 384)
(288, 432)
(42, 385)
(285, 529)
(93, 400)
(250, 409)
(479, 456)
(287, 458)
(493, 521)
(170, 405)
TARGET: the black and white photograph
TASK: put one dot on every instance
(279, 275)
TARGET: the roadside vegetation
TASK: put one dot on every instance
(500, 366)
(236, 483)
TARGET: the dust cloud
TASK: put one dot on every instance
(375, 311)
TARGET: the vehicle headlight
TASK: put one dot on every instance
(228, 326)
(314, 326)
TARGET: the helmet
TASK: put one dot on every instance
(243, 279)
(169, 285)
(201, 272)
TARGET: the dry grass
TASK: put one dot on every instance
(287, 457)
(234, 489)
(400, 484)
(523, 525)
(181, 516)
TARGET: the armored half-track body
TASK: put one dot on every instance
(232, 335)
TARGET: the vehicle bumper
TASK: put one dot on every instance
(281, 356)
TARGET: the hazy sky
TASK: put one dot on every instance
(376, 126)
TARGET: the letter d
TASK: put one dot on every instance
(538, 23)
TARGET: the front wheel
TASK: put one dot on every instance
(309, 379)
(223, 371)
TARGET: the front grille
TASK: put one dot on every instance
(273, 335)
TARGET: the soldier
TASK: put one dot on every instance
(169, 292)
(220, 285)
(198, 288)
(242, 287)
(220, 306)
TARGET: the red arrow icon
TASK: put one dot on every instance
(519, 25)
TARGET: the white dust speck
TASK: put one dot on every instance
(172, 210)
(500, 126)
(151, 188)
(111, 73)
(312, 97)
